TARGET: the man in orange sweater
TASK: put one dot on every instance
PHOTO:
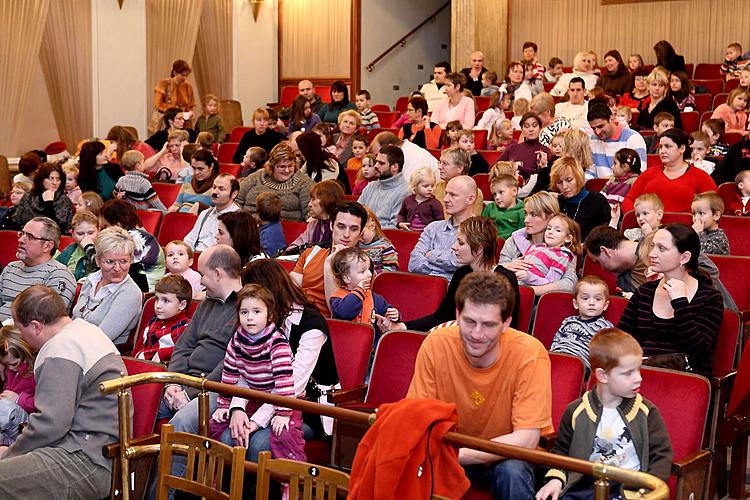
(498, 377)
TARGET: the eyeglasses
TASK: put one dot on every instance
(31, 237)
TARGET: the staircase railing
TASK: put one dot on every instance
(402, 41)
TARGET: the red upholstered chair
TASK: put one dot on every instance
(150, 220)
(480, 139)
(707, 71)
(690, 121)
(352, 345)
(230, 168)
(733, 275)
(401, 104)
(720, 99)
(324, 91)
(549, 86)
(287, 264)
(482, 102)
(714, 86)
(352, 175)
(175, 227)
(167, 192)
(594, 268)
(596, 184)
(435, 152)
(381, 107)
(65, 241)
(387, 118)
(689, 68)
(403, 242)
(525, 308)
(226, 152)
(292, 229)
(737, 230)
(683, 400)
(629, 221)
(287, 95)
(414, 295)
(146, 397)
(237, 133)
(732, 138)
(554, 307)
(490, 156)
(483, 183)
(703, 102)
(728, 192)
(731, 85)
(705, 116)
(568, 373)
(148, 312)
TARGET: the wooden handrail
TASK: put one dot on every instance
(402, 40)
(658, 489)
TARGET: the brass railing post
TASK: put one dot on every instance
(123, 413)
(203, 408)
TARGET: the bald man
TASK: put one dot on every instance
(307, 90)
(432, 253)
(474, 73)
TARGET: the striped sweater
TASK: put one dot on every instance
(139, 192)
(549, 264)
(693, 330)
(262, 362)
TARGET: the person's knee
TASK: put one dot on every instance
(259, 441)
(513, 475)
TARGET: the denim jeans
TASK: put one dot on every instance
(509, 479)
(53, 473)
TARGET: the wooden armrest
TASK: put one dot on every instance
(112, 450)
(353, 395)
(547, 441)
(694, 461)
(723, 381)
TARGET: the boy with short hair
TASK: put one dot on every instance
(732, 65)
(272, 237)
(663, 121)
(611, 423)
(575, 332)
(555, 70)
(254, 159)
(699, 150)
(156, 342)
(707, 209)
(369, 118)
(715, 128)
(354, 300)
(740, 203)
(178, 259)
(649, 210)
(359, 150)
(506, 210)
(477, 163)
(134, 187)
(488, 84)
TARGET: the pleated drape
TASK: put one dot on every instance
(65, 56)
(23, 25)
(315, 38)
(698, 29)
(213, 50)
(171, 32)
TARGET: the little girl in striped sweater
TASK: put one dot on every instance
(258, 357)
(562, 243)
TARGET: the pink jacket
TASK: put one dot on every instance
(734, 121)
(25, 387)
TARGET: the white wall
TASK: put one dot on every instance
(386, 21)
(120, 90)
(256, 56)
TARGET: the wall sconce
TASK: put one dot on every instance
(256, 4)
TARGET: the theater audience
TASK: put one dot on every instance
(37, 243)
(660, 101)
(386, 194)
(123, 140)
(617, 78)
(174, 119)
(109, 297)
(262, 135)
(530, 153)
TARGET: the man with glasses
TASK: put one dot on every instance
(434, 91)
(37, 242)
(223, 193)
(385, 195)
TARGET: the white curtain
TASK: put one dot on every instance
(66, 63)
(23, 25)
(213, 50)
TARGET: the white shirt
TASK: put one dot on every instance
(203, 234)
(613, 443)
(576, 113)
(416, 157)
(433, 94)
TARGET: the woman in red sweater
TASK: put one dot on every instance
(677, 182)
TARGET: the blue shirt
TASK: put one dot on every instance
(272, 238)
(436, 240)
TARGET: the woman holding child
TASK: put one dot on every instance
(677, 182)
(540, 208)
(680, 313)
(307, 332)
(109, 297)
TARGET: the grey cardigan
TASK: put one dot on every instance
(116, 314)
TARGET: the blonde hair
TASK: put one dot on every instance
(418, 175)
(577, 144)
(578, 59)
(71, 169)
(563, 164)
(713, 199)
(131, 159)
(182, 135)
(736, 92)
(542, 203)
(26, 186)
(354, 114)
(658, 74)
(649, 198)
(12, 343)
(543, 102)
(84, 216)
(371, 217)
(502, 168)
(520, 106)
(494, 136)
(457, 156)
(207, 98)
(628, 111)
(503, 180)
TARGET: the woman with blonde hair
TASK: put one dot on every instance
(577, 144)
(588, 208)
(583, 66)
(281, 177)
(544, 107)
(660, 102)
